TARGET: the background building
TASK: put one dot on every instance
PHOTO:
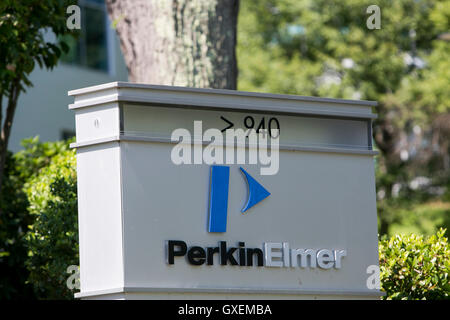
(94, 58)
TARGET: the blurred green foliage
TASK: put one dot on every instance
(22, 38)
(13, 223)
(291, 46)
(324, 48)
(52, 239)
(413, 267)
(21, 171)
(422, 218)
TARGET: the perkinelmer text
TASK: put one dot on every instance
(272, 254)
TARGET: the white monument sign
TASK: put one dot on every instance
(203, 193)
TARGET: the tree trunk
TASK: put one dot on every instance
(178, 42)
(7, 124)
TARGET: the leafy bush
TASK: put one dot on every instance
(412, 267)
(14, 219)
(14, 216)
(52, 239)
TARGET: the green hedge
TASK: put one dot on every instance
(414, 267)
(52, 239)
(15, 218)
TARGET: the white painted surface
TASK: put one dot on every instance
(100, 217)
(97, 122)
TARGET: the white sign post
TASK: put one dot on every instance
(171, 207)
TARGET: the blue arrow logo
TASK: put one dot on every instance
(256, 192)
(218, 199)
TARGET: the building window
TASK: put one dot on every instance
(91, 48)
